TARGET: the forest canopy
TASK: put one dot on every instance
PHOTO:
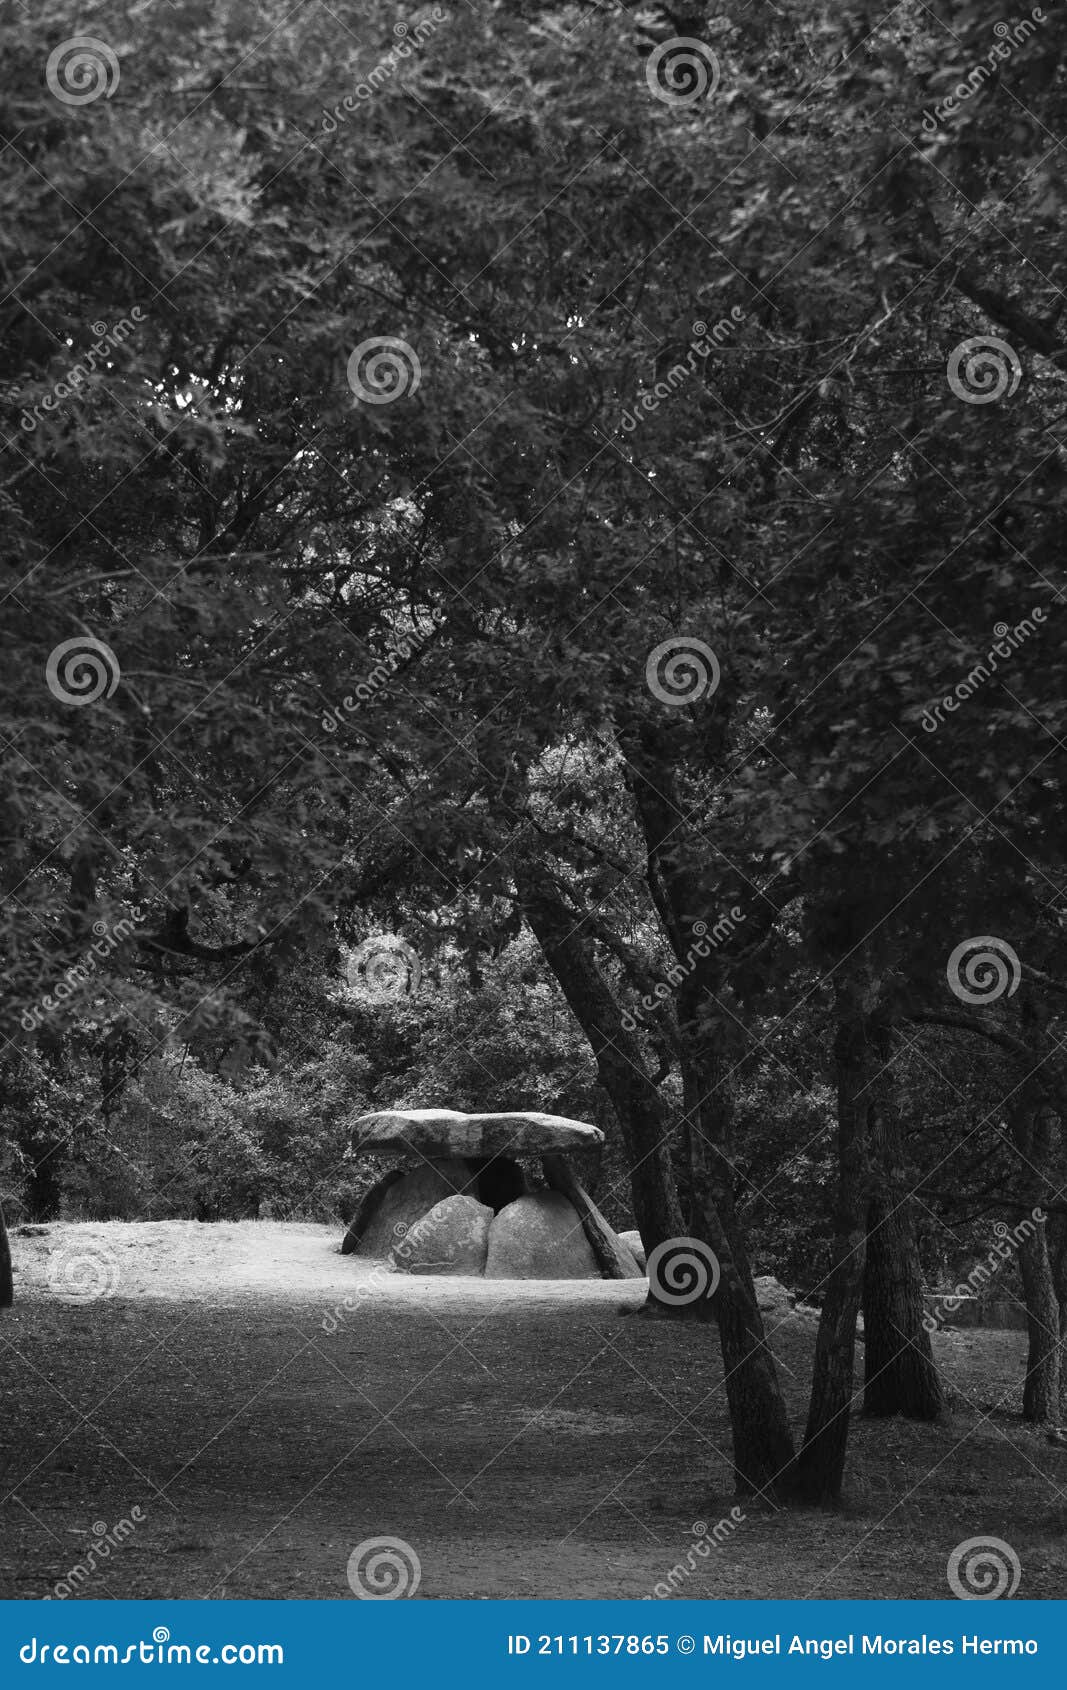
(533, 567)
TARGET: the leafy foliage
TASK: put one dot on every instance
(382, 662)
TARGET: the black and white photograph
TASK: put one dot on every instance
(533, 1058)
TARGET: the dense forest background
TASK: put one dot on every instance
(533, 575)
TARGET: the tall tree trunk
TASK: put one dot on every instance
(1056, 1235)
(900, 1376)
(1041, 1390)
(763, 1441)
(820, 1466)
(7, 1283)
(1032, 1132)
(43, 1188)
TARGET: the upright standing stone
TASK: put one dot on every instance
(405, 1200)
(614, 1259)
(452, 1237)
(540, 1237)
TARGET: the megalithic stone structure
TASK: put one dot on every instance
(464, 1207)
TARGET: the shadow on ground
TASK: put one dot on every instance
(268, 1404)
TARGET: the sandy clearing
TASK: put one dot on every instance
(268, 1404)
(224, 1263)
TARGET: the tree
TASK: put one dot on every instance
(495, 422)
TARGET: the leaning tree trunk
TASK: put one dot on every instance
(820, 1467)
(643, 1120)
(900, 1375)
(763, 1447)
(762, 1442)
(7, 1283)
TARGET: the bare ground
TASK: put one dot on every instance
(523, 1438)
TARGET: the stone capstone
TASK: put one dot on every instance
(446, 1132)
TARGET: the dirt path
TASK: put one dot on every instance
(267, 1404)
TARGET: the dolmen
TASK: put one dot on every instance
(463, 1205)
